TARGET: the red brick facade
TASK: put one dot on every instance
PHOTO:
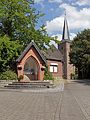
(33, 58)
(31, 53)
(68, 68)
(59, 68)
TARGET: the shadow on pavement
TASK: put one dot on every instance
(83, 81)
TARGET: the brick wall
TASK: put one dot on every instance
(68, 68)
(59, 72)
(32, 52)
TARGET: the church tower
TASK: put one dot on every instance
(64, 47)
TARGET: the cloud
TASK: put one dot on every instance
(74, 2)
(77, 19)
(54, 25)
(72, 35)
(53, 43)
(59, 36)
(83, 2)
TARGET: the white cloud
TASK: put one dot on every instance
(59, 36)
(74, 2)
(54, 25)
(53, 43)
(77, 19)
(72, 35)
(83, 2)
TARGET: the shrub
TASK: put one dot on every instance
(8, 75)
(48, 75)
(74, 76)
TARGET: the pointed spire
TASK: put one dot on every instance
(65, 36)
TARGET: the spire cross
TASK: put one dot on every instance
(65, 13)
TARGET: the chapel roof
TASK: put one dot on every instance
(31, 44)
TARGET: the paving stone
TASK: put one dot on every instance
(46, 104)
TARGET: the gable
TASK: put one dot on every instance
(34, 46)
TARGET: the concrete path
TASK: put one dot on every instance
(46, 104)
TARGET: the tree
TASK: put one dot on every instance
(9, 51)
(18, 20)
(80, 53)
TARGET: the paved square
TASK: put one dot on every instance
(47, 104)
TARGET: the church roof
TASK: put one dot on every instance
(32, 44)
(65, 36)
(53, 54)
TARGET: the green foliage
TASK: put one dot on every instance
(18, 20)
(8, 75)
(48, 75)
(9, 51)
(15, 16)
(80, 53)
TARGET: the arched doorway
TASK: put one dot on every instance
(31, 68)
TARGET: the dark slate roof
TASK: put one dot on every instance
(65, 36)
(32, 44)
(53, 54)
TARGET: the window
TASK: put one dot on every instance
(53, 68)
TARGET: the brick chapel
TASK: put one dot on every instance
(32, 62)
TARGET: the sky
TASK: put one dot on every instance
(77, 12)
